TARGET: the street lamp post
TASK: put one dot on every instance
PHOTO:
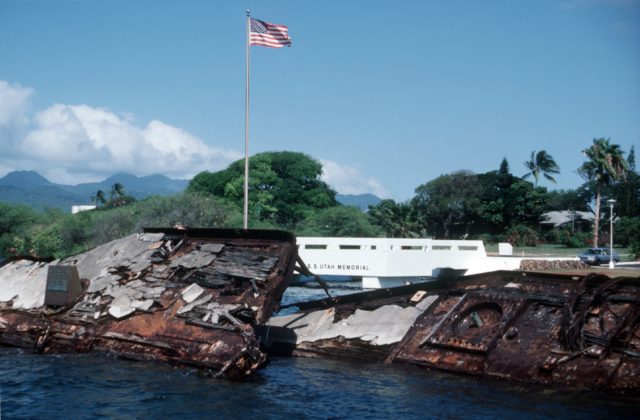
(611, 202)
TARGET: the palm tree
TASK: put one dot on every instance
(605, 165)
(541, 163)
(396, 219)
(117, 194)
(99, 198)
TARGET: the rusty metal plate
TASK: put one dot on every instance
(476, 322)
(187, 297)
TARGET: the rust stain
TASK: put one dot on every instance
(551, 330)
(146, 314)
(580, 332)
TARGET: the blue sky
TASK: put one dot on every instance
(387, 94)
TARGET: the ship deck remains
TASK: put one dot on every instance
(187, 297)
(204, 298)
(580, 332)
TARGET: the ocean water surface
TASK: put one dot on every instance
(88, 386)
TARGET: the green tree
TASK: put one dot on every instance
(42, 237)
(627, 231)
(576, 200)
(214, 183)
(396, 219)
(541, 163)
(340, 221)
(15, 220)
(494, 187)
(284, 187)
(117, 194)
(262, 184)
(118, 197)
(45, 241)
(627, 191)
(99, 199)
(524, 204)
(507, 202)
(75, 232)
(193, 210)
(504, 176)
(605, 164)
(447, 201)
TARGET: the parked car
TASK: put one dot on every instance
(597, 256)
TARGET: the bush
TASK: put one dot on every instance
(339, 221)
(47, 242)
(193, 210)
(521, 235)
(556, 236)
(634, 250)
(567, 238)
(577, 240)
(627, 231)
(41, 241)
(15, 222)
(58, 234)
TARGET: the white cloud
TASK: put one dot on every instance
(79, 143)
(348, 180)
(71, 144)
(13, 112)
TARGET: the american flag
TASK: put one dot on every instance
(268, 34)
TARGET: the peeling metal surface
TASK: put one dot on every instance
(545, 329)
(22, 283)
(580, 332)
(363, 326)
(382, 326)
(187, 297)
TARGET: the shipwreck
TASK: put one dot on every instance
(187, 297)
(207, 298)
(581, 332)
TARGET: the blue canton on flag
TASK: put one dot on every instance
(268, 34)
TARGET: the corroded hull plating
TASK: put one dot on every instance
(528, 327)
(187, 297)
(579, 333)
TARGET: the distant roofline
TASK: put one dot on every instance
(559, 218)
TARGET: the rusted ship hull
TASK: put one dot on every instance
(550, 329)
(204, 298)
(188, 297)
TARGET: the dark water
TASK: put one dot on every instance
(98, 386)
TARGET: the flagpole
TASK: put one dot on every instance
(245, 224)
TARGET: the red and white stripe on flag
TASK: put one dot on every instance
(268, 34)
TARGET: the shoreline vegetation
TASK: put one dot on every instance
(286, 192)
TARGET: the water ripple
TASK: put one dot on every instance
(89, 386)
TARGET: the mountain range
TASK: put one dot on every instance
(361, 201)
(32, 189)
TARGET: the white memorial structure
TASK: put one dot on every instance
(385, 262)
